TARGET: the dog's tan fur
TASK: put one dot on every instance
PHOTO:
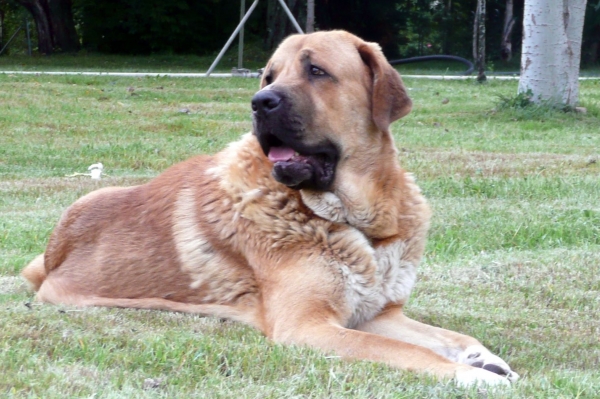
(220, 236)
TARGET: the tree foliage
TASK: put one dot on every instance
(404, 28)
(590, 50)
(379, 21)
(146, 26)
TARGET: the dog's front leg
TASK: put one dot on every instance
(456, 347)
(302, 308)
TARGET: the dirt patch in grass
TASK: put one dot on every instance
(13, 285)
(433, 164)
(53, 185)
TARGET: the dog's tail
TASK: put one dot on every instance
(35, 272)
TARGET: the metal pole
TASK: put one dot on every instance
(241, 42)
(235, 32)
(28, 37)
(12, 37)
(291, 16)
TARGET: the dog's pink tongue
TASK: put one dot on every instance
(277, 154)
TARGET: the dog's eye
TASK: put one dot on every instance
(269, 79)
(316, 71)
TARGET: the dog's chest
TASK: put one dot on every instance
(389, 278)
(369, 276)
(384, 278)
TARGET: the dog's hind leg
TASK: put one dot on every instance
(56, 290)
(35, 272)
(237, 313)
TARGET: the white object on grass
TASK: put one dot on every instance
(96, 170)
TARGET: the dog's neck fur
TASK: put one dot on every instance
(381, 200)
(365, 199)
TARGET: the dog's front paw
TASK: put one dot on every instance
(325, 204)
(479, 356)
(479, 377)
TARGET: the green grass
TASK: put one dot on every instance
(254, 57)
(513, 257)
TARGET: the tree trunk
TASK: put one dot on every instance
(1, 27)
(509, 23)
(278, 24)
(54, 23)
(479, 40)
(39, 11)
(551, 52)
(63, 28)
(310, 16)
(274, 22)
(446, 28)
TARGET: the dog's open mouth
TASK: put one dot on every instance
(299, 168)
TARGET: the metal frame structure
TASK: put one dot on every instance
(26, 25)
(240, 28)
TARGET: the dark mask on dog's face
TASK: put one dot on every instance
(280, 130)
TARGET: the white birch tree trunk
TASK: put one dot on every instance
(551, 53)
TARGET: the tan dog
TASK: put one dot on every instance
(308, 229)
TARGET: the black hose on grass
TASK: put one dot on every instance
(425, 58)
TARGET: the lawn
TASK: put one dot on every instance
(513, 256)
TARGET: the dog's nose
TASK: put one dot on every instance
(266, 101)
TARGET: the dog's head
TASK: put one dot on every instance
(324, 98)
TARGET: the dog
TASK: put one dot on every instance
(306, 228)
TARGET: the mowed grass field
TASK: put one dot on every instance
(513, 256)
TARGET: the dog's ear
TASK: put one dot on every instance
(389, 99)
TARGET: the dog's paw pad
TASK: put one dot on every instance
(479, 357)
(495, 369)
